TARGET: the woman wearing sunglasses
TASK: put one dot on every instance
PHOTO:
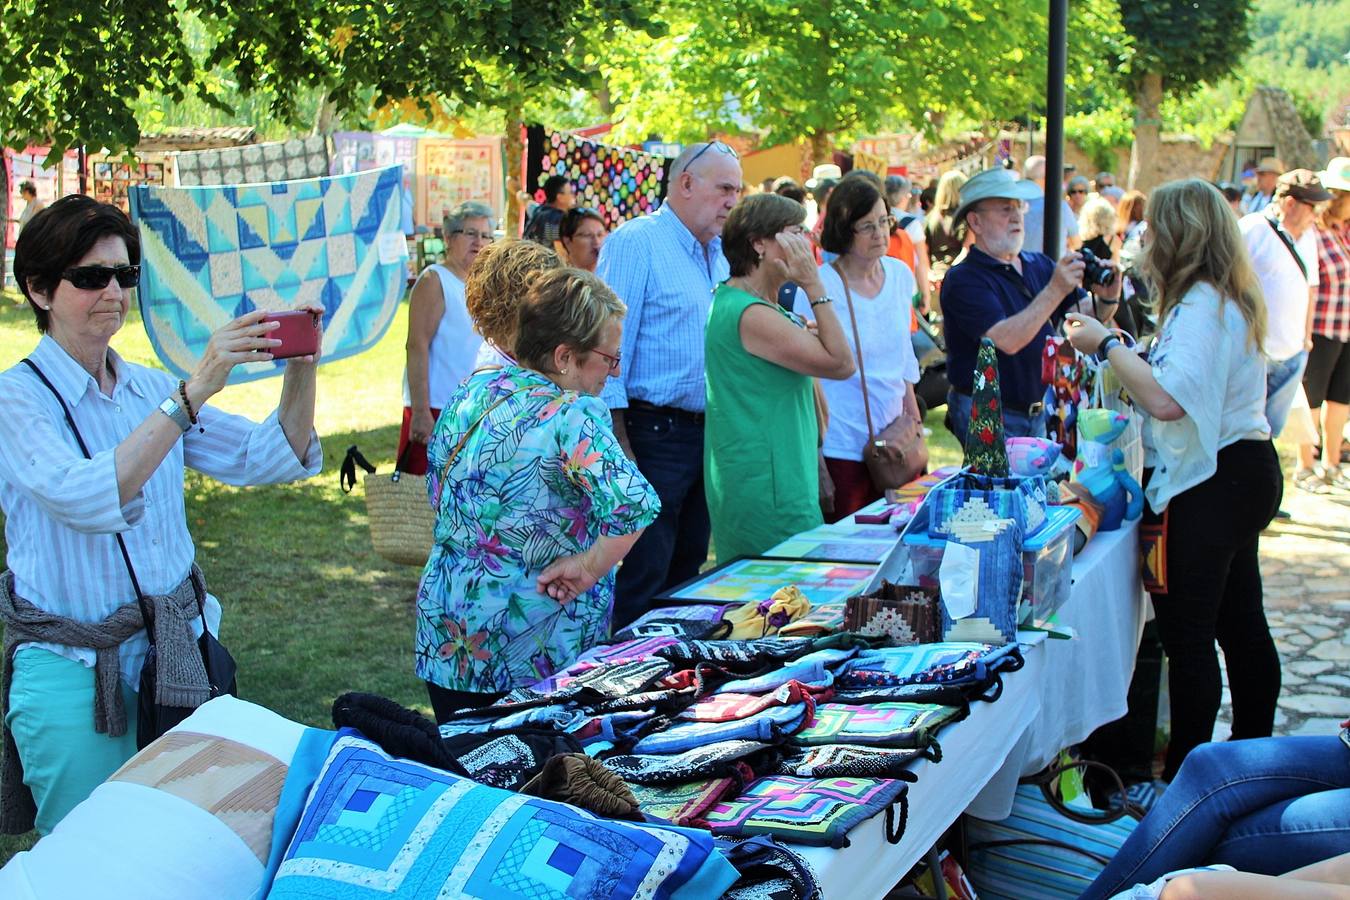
(535, 503)
(74, 636)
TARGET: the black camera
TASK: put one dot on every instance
(1094, 270)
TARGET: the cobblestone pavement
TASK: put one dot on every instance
(1305, 567)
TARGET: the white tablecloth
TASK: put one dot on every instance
(1064, 692)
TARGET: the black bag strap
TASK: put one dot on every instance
(1289, 245)
(1047, 778)
(347, 471)
(121, 544)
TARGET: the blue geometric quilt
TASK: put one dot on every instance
(209, 254)
(378, 828)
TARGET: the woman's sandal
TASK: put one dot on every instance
(1311, 481)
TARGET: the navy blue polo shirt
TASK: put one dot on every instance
(977, 294)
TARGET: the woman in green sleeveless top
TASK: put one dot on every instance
(761, 438)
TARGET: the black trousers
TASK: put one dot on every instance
(445, 701)
(1214, 594)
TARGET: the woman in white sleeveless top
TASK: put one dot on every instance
(442, 343)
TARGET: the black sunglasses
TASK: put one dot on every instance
(726, 148)
(96, 278)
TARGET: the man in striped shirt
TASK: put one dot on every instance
(664, 267)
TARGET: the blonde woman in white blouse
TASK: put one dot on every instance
(1212, 478)
(69, 710)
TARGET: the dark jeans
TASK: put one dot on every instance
(1214, 593)
(1266, 806)
(445, 701)
(1015, 424)
(669, 451)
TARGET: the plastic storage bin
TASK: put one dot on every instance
(1047, 560)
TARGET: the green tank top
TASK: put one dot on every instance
(759, 450)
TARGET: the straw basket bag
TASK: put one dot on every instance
(400, 515)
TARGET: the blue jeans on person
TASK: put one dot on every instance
(669, 452)
(1282, 381)
(1268, 806)
(1015, 424)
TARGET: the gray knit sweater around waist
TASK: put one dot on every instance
(181, 677)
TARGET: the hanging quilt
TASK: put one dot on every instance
(53, 178)
(360, 151)
(254, 163)
(617, 182)
(113, 178)
(209, 254)
(450, 172)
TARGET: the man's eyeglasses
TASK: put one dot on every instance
(471, 234)
(725, 148)
(869, 229)
(613, 360)
(96, 278)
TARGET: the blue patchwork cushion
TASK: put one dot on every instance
(377, 827)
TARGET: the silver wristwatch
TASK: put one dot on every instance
(179, 415)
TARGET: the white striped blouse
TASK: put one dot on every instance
(61, 510)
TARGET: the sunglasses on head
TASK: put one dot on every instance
(96, 278)
(725, 148)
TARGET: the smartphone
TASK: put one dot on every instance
(299, 333)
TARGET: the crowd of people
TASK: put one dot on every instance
(711, 373)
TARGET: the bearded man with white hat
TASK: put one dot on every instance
(1015, 297)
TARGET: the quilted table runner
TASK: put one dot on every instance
(209, 254)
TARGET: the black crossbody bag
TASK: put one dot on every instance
(152, 718)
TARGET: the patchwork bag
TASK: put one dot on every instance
(817, 811)
(905, 726)
(971, 497)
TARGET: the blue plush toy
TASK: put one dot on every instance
(1032, 456)
(1101, 469)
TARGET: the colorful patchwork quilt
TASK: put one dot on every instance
(617, 182)
(209, 254)
(804, 810)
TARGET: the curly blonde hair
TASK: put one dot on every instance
(498, 280)
(1195, 238)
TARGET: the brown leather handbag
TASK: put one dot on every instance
(897, 455)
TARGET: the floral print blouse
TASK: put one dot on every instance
(541, 477)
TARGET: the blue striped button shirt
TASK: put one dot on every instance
(61, 510)
(666, 277)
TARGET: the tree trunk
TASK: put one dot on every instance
(821, 148)
(513, 220)
(325, 116)
(1145, 154)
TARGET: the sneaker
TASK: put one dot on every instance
(1283, 515)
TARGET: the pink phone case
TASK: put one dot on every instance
(299, 333)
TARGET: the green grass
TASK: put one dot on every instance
(310, 610)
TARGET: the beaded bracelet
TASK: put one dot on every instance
(187, 405)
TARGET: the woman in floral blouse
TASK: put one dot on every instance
(535, 504)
